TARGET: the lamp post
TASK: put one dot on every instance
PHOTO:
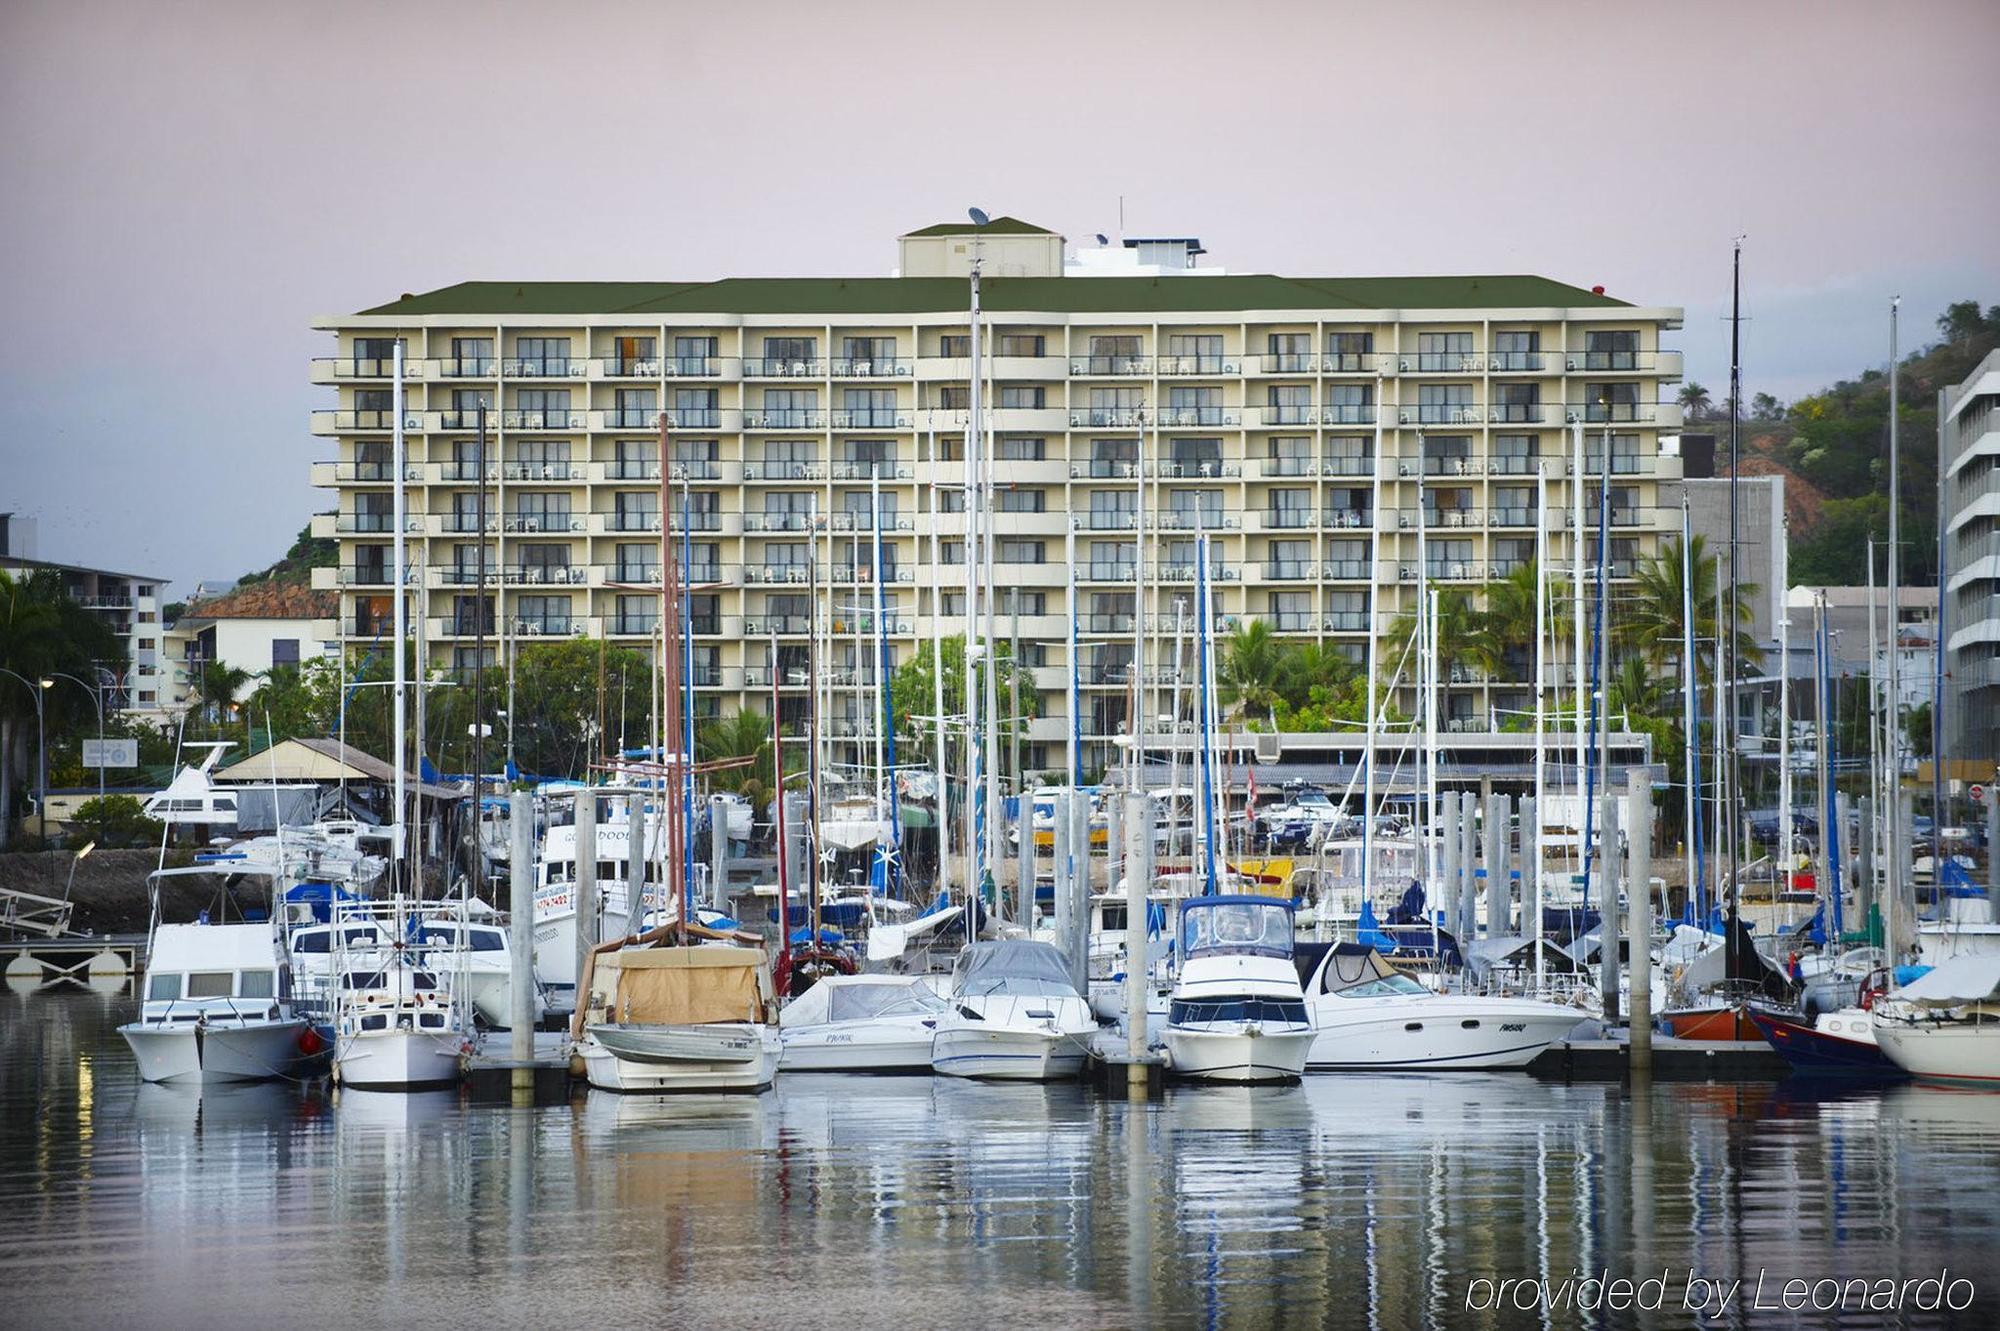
(75, 860)
(37, 688)
(97, 701)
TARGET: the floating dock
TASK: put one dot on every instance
(1673, 1060)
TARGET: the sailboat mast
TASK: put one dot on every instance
(1373, 555)
(778, 804)
(1725, 629)
(1427, 680)
(1577, 639)
(1533, 836)
(1691, 723)
(478, 856)
(1784, 613)
(1899, 863)
(975, 803)
(937, 674)
(398, 828)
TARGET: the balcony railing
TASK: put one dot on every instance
(1344, 570)
(1622, 464)
(1511, 515)
(1184, 418)
(634, 625)
(783, 367)
(464, 367)
(1515, 413)
(1100, 469)
(1347, 518)
(865, 575)
(373, 473)
(1346, 464)
(1172, 365)
(630, 418)
(633, 572)
(784, 418)
(367, 524)
(1103, 418)
(1195, 519)
(707, 520)
(1110, 366)
(1455, 464)
(1288, 466)
(866, 522)
(870, 418)
(453, 575)
(1288, 362)
(1599, 362)
(543, 471)
(1281, 519)
(382, 418)
(555, 520)
(1108, 571)
(1456, 570)
(367, 367)
(545, 625)
(548, 575)
(1512, 464)
(1106, 623)
(1101, 520)
(866, 471)
(629, 367)
(756, 522)
(783, 471)
(1611, 412)
(1205, 470)
(1218, 571)
(1347, 413)
(1289, 570)
(1442, 516)
(763, 626)
(1290, 413)
(880, 367)
(542, 367)
(694, 418)
(467, 419)
(1347, 621)
(1294, 621)
(1443, 362)
(1517, 362)
(691, 367)
(371, 575)
(1442, 413)
(547, 419)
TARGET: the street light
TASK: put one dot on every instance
(75, 860)
(97, 701)
(37, 688)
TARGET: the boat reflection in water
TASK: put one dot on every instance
(1361, 1200)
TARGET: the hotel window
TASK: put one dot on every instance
(790, 408)
(1516, 403)
(1611, 402)
(1289, 353)
(1290, 455)
(543, 408)
(1111, 559)
(1350, 404)
(1349, 352)
(1198, 509)
(1346, 559)
(1444, 352)
(1291, 612)
(1024, 397)
(634, 355)
(1517, 350)
(1196, 353)
(375, 355)
(542, 355)
(859, 351)
(1291, 507)
(789, 459)
(1014, 601)
(1194, 457)
(1513, 505)
(543, 614)
(284, 651)
(957, 345)
(636, 409)
(372, 461)
(1013, 448)
(471, 355)
(636, 511)
(793, 352)
(1611, 349)
(1512, 552)
(1515, 454)
(1289, 404)
(1021, 552)
(692, 354)
(637, 562)
(1010, 500)
(1350, 455)
(868, 408)
(954, 399)
(1112, 509)
(468, 401)
(1021, 344)
(856, 503)
(870, 457)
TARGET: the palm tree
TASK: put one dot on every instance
(741, 734)
(1651, 626)
(1695, 401)
(1463, 635)
(1251, 667)
(1306, 665)
(218, 686)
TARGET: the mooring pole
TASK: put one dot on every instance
(1639, 887)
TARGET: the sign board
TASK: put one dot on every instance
(1978, 794)
(111, 753)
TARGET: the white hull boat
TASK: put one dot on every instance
(1238, 1013)
(1945, 1024)
(1013, 1015)
(861, 1023)
(207, 1054)
(737, 1056)
(397, 1060)
(1367, 1015)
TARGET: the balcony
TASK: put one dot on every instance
(870, 418)
(1190, 418)
(1622, 464)
(1106, 418)
(1106, 571)
(542, 367)
(342, 422)
(372, 575)
(1105, 623)
(868, 471)
(1103, 469)
(1206, 469)
(548, 521)
(466, 473)
(1344, 570)
(699, 520)
(463, 367)
(783, 367)
(363, 473)
(1287, 519)
(1447, 517)
(1348, 464)
(784, 418)
(792, 575)
(1290, 570)
(468, 625)
(1171, 366)
(1103, 520)
(633, 625)
(1512, 515)
(528, 420)
(1285, 413)
(891, 367)
(374, 524)
(470, 419)
(1442, 362)
(866, 522)
(1449, 464)
(1347, 518)
(1601, 413)
(1518, 362)
(1343, 413)
(764, 626)
(1512, 464)
(1110, 367)
(631, 573)
(1442, 413)
(561, 471)
(692, 367)
(1285, 362)
(698, 418)
(548, 575)
(629, 418)
(342, 369)
(1175, 573)
(1516, 413)
(1197, 519)
(1272, 468)
(626, 367)
(777, 522)
(1347, 621)
(1294, 621)
(783, 471)
(453, 575)
(864, 575)
(546, 626)
(1455, 570)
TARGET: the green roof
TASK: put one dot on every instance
(938, 295)
(999, 226)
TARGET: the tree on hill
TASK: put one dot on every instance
(1694, 400)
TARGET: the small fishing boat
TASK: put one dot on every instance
(1238, 1013)
(396, 1027)
(216, 1007)
(861, 1023)
(1366, 1014)
(1945, 1024)
(678, 1010)
(1013, 1015)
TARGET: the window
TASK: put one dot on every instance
(1024, 396)
(1515, 454)
(1444, 352)
(468, 402)
(162, 987)
(1114, 457)
(1349, 352)
(1021, 344)
(866, 351)
(1021, 552)
(1021, 501)
(1513, 505)
(1290, 455)
(542, 355)
(1346, 559)
(1017, 449)
(790, 351)
(867, 408)
(1194, 457)
(1291, 612)
(1611, 402)
(1446, 404)
(1288, 353)
(471, 355)
(1194, 353)
(1196, 509)
(790, 408)
(1288, 404)
(869, 457)
(1350, 455)
(1111, 559)
(955, 344)
(1517, 402)
(257, 984)
(1350, 404)
(1447, 455)
(636, 409)
(1611, 349)
(1112, 510)
(951, 552)
(1291, 507)
(543, 614)
(692, 354)
(633, 510)
(284, 651)
(1014, 601)
(1517, 350)
(546, 408)
(211, 984)
(951, 398)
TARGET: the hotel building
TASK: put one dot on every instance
(1314, 428)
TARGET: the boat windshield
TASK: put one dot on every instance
(862, 1002)
(1264, 928)
(1388, 986)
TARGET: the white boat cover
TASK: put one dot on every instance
(1969, 979)
(860, 998)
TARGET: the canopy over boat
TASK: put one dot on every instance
(1010, 966)
(1242, 924)
(860, 998)
(681, 986)
(1968, 979)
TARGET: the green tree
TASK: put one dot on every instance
(44, 632)
(1464, 638)
(1694, 400)
(741, 734)
(1764, 407)
(113, 820)
(913, 701)
(1650, 624)
(1251, 670)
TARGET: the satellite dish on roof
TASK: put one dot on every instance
(978, 216)
(1103, 239)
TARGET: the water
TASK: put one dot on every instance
(911, 1202)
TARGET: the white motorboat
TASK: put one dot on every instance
(1238, 1012)
(471, 951)
(861, 1023)
(661, 1015)
(396, 1026)
(1965, 928)
(1368, 1015)
(1013, 1015)
(1945, 1024)
(217, 1008)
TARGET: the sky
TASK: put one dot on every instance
(184, 187)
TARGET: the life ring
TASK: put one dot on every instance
(309, 1042)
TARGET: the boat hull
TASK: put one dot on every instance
(1000, 1053)
(1241, 1052)
(398, 1060)
(1432, 1033)
(1729, 1022)
(738, 1057)
(185, 1055)
(1942, 1050)
(1815, 1052)
(832, 1049)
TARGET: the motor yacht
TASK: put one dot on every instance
(1238, 1012)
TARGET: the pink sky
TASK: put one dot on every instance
(183, 187)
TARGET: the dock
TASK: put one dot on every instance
(108, 958)
(1673, 1060)
(489, 1076)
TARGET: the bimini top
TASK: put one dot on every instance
(1237, 924)
(1350, 970)
(1010, 966)
(860, 998)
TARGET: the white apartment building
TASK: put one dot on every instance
(1314, 428)
(1969, 426)
(129, 603)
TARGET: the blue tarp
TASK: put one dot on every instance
(319, 896)
(830, 937)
